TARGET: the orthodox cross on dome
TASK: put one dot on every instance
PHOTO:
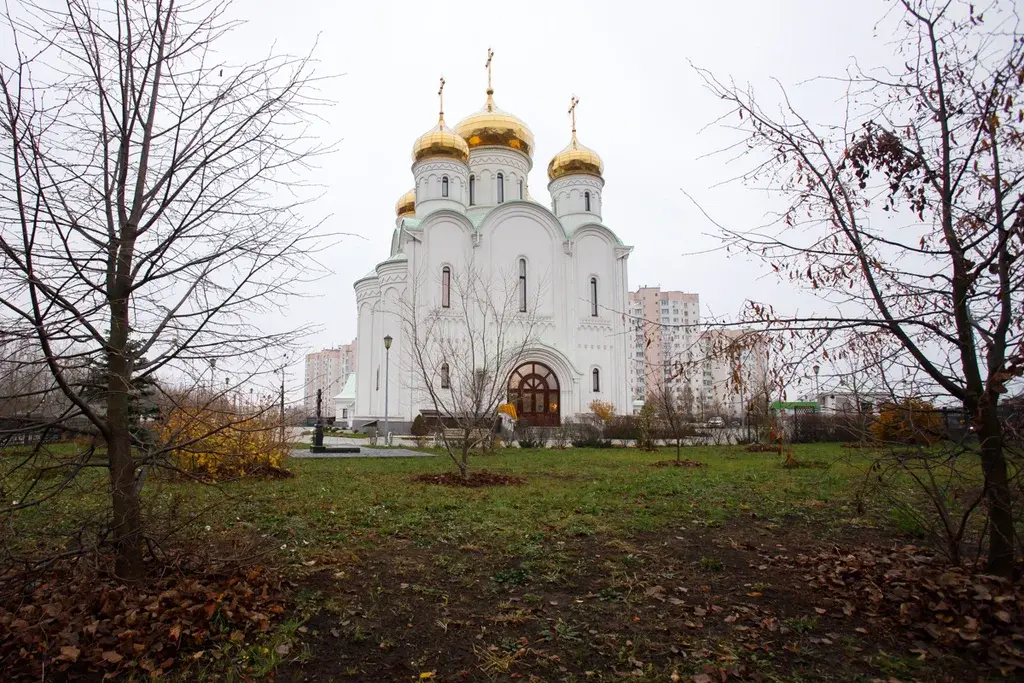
(440, 101)
(572, 113)
(490, 57)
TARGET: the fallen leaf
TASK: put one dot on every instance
(702, 678)
(69, 653)
(427, 674)
(112, 657)
(282, 649)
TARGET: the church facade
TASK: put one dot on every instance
(470, 208)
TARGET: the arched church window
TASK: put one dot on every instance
(472, 190)
(446, 381)
(596, 374)
(520, 189)
(522, 285)
(446, 287)
(444, 187)
(593, 296)
(501, 188)
(586, 201)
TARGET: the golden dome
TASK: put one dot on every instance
(440, 142)
(575, 159)
(406, 204)
(492, 126)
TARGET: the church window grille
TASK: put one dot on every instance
(596, 374)
(501, 188)
(586, 201)
(446, 287)
(520, 189)
(446, 382)
(472, 190)
(593, 296)
(444, 186)
(522, 285)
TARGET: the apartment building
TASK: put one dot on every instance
(328, 370)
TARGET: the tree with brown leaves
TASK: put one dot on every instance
(908, 217)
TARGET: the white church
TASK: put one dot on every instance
(470, 207)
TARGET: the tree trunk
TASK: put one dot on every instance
(464, 465)
(679, 453)
(127, 521)
(997, 490)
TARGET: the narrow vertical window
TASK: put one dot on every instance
(520, 189)
(444, 190)
(593, 296)
(378, 378)
(501, 188)
(446, 287)
(597, 379)
(472, 190)
(586, 201)
(446, 382)
(522, 285)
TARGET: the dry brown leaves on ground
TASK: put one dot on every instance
(71, 623)
(678, 463)
(475, 479)
(946, 607)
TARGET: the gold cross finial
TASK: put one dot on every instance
(440, 99)
(490, 57)
(572, 112)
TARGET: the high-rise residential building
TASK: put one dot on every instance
(328, 370)
(666, 329)
(708, 368)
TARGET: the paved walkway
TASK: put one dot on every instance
(366, 452)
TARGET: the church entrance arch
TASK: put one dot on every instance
(533, 389)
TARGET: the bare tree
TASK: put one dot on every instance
(670, 412)
(907, 216)
(462, 354)
(150, 205)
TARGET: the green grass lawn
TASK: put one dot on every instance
(599, 562)
(330, 503)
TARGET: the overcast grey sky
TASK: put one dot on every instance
(642, 107)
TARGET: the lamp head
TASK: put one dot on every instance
(387, 342)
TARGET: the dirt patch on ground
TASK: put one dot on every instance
(731, 603)
(678, 463)
(475, 479)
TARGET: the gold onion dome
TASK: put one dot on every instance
(440, 142)
(406, 204)
(493, 127)
(575, 159)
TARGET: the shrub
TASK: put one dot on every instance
(217, 444)
(587, 432)
(603, 410)
(623, 428)
(560, 437)
(530, 437)
(419, 430)
(911, 421)
(647, 428)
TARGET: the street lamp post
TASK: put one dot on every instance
(817, 387)
(387, 368)
(282, 397)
